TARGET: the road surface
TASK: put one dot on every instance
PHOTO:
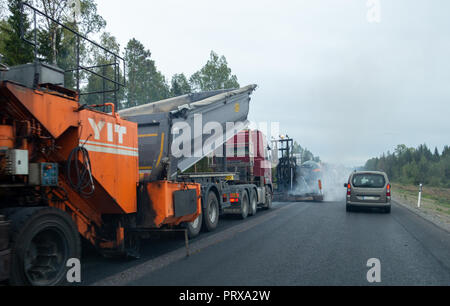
(293, 244)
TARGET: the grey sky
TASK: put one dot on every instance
(343, 87)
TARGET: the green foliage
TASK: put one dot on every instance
(415, 166)
(90, 21)
(95, 83)
(180, 85)
(3, 9)
(56, 45)
(297, 148)
(305, 154)
(3, 35)
(52, 38)
(145, 83)
(13, 48)
(214, 75)
(201, 167)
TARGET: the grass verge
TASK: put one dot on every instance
(435, 201)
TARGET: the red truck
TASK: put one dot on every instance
(241, 182)
(248, 155)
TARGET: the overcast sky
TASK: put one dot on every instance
(345, 88)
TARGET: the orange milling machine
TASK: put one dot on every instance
(55, 152)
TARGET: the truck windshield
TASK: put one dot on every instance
(369, 181)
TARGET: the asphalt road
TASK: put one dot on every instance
(293, 244)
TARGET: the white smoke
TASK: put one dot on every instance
(333, 179)
(302, 187)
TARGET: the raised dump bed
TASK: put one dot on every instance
(156, 121)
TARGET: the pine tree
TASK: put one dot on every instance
(180, 85)
(145, 83)
(15, 50)
(97, 84)
(214, 75)
(436, 155)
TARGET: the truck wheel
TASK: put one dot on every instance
(132, 245)
(245, 205)
(211, 213)
(194, 227)
(268, 201)
(43, 240)
(253, 203)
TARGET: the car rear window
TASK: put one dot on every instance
(369, 181)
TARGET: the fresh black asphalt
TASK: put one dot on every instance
(293, 244)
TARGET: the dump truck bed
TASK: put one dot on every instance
(194, 115)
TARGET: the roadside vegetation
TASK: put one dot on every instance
(145, 83)
(435, 204)
(434, 198)
(410, 166)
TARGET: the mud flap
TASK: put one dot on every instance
(185, 202)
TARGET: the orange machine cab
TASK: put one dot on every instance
(113, 149)
(111, 142)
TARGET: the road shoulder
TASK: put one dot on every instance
(433, 218)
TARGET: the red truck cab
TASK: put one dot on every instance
(248, 154)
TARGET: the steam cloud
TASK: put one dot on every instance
(334, 177)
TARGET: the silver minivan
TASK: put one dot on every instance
(370, 189)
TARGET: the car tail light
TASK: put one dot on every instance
(388, 190)
(349, 190)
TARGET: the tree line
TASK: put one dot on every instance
(145, 83)
(415, 165)
(304, 153)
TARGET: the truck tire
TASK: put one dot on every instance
(245, 206)
(194, 227)
(253, 203)
(132, 246)
(43, 240)
(211, 213)
(268, 204)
